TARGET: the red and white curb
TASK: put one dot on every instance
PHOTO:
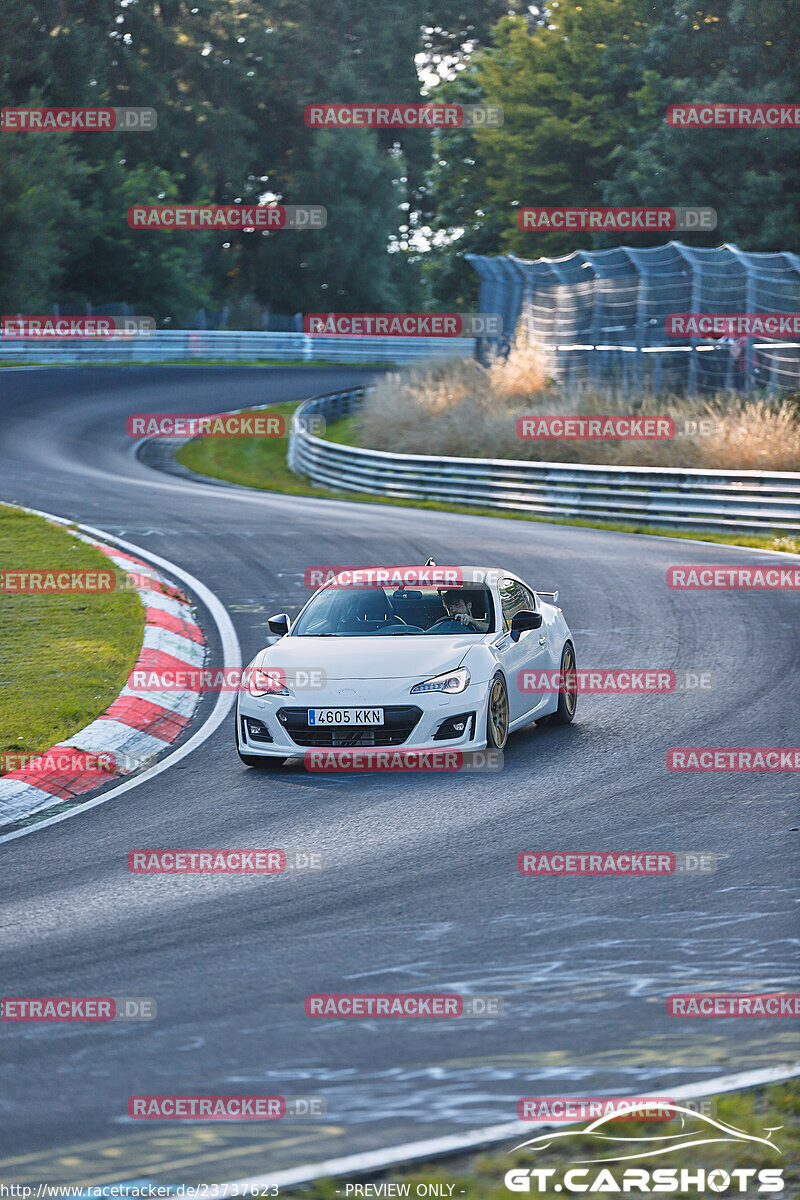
(134, 730)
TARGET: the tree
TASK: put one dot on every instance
(344, 267)
(39, 219)
(726, 51)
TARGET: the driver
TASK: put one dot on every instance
(459, 608)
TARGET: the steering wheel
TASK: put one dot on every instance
(459, 626)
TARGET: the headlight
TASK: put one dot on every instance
(267, 683)
(451, 682)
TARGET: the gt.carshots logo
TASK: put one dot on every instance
(732, 579)
(84, 120)
(224, 1108)
(402, 116)
(402, 1004)
(59, 328)
(403, 324)
(227, 216)
(624, 219)
(696, 1128)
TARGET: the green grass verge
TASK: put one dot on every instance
(63, 657)
(261, 463)
(480, 1176)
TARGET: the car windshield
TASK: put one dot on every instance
(397, 612)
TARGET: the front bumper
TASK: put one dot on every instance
(412, 721)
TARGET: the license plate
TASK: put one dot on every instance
(345, 716)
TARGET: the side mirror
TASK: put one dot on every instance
(522, 621)
(279, 624)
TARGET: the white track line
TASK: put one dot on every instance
(379, 1160)
(231, 657)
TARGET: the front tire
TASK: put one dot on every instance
(568, 699)
(497, 714)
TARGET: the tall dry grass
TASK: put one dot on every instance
(462, 409)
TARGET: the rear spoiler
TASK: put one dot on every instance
(554, 595)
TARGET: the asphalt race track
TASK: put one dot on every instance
(421, 890)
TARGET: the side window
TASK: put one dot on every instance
(530, 599)
(513, 598)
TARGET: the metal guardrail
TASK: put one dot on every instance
(749, 501)
(230, 345)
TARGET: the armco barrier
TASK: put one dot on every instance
(750, 501)
(181, 344)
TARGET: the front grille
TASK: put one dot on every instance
(399, 721)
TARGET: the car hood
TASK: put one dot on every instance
(384, 657)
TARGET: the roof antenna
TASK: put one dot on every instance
(430, 563)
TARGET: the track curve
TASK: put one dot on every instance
(421, 891)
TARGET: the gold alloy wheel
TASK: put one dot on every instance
(498, 713)
(570, 681)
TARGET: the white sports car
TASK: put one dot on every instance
(448, 657)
